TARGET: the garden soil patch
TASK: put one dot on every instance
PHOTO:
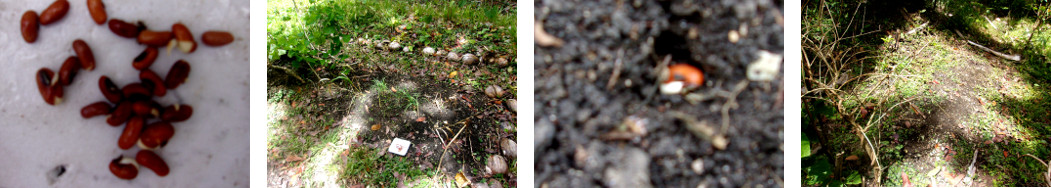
(602, 79)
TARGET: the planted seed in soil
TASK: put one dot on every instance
(601, 119)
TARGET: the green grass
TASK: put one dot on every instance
(368, 166)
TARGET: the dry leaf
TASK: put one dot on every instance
(376, 127)
(293, 158)
(393, 90)
(852, 157)
(461, 181)
(421, 119)
(452, 74)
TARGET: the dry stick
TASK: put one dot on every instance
(1002, 55)
(288, 71)
(616, 71)
(446, 149)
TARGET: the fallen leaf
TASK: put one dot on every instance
(293, 158)
(452, 74)
(393, 90)
(1005, 153)
(376, 127)
(421, 119)
(461, 181)
(987, 142)
(852, 158)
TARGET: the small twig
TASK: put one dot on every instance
(1002, 55)
(616, 71)
(289, 72)
(446, 149)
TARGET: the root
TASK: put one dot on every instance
(1047, 176)
(289, 72)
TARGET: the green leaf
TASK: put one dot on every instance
(854, 178)
(818, 174)
(806, 146)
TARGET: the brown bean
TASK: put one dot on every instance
(217, 38)
(177, 74)
(184, 38)
(124, 168)
(68, 71)
(110, 90)
(177, 113)
(30, 26)
(131, 132)
(145, 59)
(155, 38)
(124, 29)
(120, 114)
(152, 161)
(87, 58)
(95, 109)
(97, 10)
(135, 91)
(155, 82)
(156, 134)
(44, 81)
(146, 108)
(55, 12)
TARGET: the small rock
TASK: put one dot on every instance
(406, 49)
(496, 164)
(453, 56)
(500, 62)
(697, 166)
(765, 68)
(630, 169)
(479, 185)
(428, 50)
(440, 53)
(494, 91)
(513, 105)
(495, 183)
(510, 148)
(395, 46)
(470, 58)
(544, 131)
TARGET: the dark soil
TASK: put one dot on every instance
(575, 108)
(335, 104)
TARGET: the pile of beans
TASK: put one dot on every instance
(147, 122)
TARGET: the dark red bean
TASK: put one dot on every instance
(156, 134)
(155, 38)
(120, 114)
(155, 82)
(131, 132)
(145, 59)
(86, 57)
(177, 75)
(110, 90)
(55, 12)
(30, 26)
(146, 108)
(123, 168)
(95, 109)
(217, 38)
(124, 29)
(177, 113)
(68, 71)
(135, 91)
(44, 80)
(97, 10)
(184, 38)
(152, 161)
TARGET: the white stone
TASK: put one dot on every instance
(765, 68)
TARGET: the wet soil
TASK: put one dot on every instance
(602, 77)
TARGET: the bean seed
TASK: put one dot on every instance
(95, 109)
(87, 58)
(68, 71)
(45, 80)
(97, 10)
(131, 132)
(123, 29)
(155, 38)
(152, 161)
(177, 113)
(135, 91)
(177, 74)
(30, 26)
(120, 114)
(156, 134)
(110, 90)
(145, 59)
(183, 38)
(124, 168)
(146, 108)
(155, 82)
(217, 38)
(56, 11)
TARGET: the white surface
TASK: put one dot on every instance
(208, 150)
(399, 146)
